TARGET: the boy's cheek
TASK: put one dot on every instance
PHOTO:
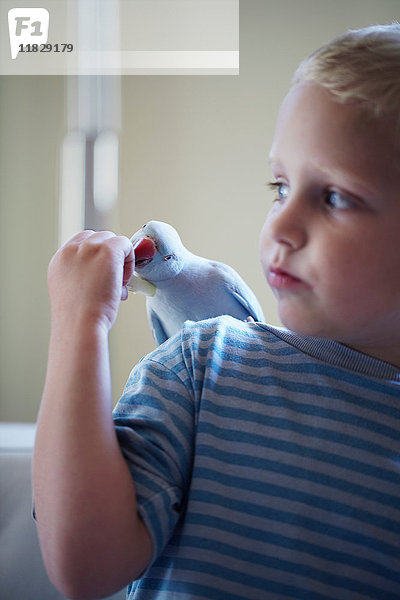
(264, 256)
(264, 240)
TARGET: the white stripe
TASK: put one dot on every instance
(158, 61)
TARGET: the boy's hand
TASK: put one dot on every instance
(80, 477)
(87, 277)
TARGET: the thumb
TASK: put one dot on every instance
(124, 293)
(129, 266)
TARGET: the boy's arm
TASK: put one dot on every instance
(92, 539)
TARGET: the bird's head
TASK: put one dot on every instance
(159, 252)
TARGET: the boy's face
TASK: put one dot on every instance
(330, 247)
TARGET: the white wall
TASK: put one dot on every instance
(31, 127)
(193, 153)
(194, 149)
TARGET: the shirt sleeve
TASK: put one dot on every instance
(154, 421)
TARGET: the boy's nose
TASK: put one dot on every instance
(287, 224)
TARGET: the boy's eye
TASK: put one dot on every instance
(332, 198)
(338, 201)
(281, 189)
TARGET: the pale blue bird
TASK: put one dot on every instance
(187, 287)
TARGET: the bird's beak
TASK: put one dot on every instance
(145, 249)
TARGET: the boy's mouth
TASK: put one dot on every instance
(281, 279)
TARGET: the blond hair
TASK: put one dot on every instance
(361, 66)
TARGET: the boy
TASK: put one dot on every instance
(245, 461)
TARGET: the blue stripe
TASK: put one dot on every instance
(154, 451)
(170, 501)
(329, 505)
(308, 430)
(193, 590)
(166, 399)
(267, 365)
(325, 351)
(297, 387)
(313, 367)
(301, 368)
(274, 466)
(331, 578)
(330, 556)
(323, 412)
(260, 583)
(249, 344)
(155, 378)
(363, 382)
(300, 450)
(298, 544)
(151, 517)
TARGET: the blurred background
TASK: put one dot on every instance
(114, 152)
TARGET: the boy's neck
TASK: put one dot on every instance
(385, 353)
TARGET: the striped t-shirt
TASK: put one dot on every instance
(266, 466)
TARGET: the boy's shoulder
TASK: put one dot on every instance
(224, 339)
(232, 339)
(265, 346)
(226, 328)
(283, 349)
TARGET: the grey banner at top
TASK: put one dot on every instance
(119, 37)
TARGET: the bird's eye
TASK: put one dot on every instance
(143, 226)
(168, 257)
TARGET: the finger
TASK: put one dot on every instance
(125, 247)
(129, 267)
(122, 243)
(98, 237)
(79, 237)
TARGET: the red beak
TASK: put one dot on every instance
(144, 251)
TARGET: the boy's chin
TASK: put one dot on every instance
(304, 325)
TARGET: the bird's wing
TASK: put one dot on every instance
(250, 304)
(156, 327)
(239, 289)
